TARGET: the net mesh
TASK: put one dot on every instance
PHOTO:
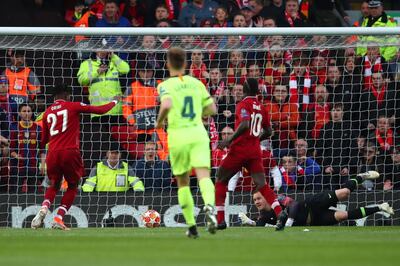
(337, 94)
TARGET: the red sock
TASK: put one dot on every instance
(270, 197)
(220, 195)
(49, 197)
(66, 201)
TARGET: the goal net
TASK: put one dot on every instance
(332, 96)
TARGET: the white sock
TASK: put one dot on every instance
(289, 222)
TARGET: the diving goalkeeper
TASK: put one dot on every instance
(314, 210)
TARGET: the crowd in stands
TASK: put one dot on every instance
(334, 112)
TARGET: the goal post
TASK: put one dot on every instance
(335, 88)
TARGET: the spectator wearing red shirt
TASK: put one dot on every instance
(133, 11)
(198, 68)
(25, 152)
(216, 85)
(372, 62)
(219, 154)
(284, 118)
(98, 7)
(174, 8)
(276, 66)
(300, 86)
(237, 71)
(318, 114)
(164, 41)
(318, 69)
(253, 71)
(384, 136)
(162, 13)
(291, 17)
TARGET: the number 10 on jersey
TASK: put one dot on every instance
(255, 124)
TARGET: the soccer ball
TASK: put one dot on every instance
(151, 219)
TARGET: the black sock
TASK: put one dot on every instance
(353, 183)
(361, 212)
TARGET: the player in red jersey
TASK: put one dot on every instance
(61, 128)
(251, 125)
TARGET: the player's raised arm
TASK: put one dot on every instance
(100, 109)
(249, 89)
(241, 129)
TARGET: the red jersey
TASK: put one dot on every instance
(252, 110)
(61, 123)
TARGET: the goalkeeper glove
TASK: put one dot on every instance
(246, 220)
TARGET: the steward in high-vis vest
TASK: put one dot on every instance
(378, 18)
(140, 107)
(112, 175)
(23, 83)
(101, 75)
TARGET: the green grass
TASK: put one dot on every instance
(320, 246)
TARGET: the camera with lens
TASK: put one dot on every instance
(105, 61)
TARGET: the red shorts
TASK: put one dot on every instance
(235, 160)
(65, 163)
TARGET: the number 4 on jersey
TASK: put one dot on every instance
(52, 118)
(187, 111)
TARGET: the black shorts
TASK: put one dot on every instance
(266, 217)
(319, 204)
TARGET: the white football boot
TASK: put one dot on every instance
(211, 219)
(38, 220)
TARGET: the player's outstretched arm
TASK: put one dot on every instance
(101, 109)
(243, 126)
(246, 220)
(166, 105)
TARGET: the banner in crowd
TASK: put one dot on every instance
(90, 210)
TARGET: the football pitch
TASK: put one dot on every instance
(321, 246)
